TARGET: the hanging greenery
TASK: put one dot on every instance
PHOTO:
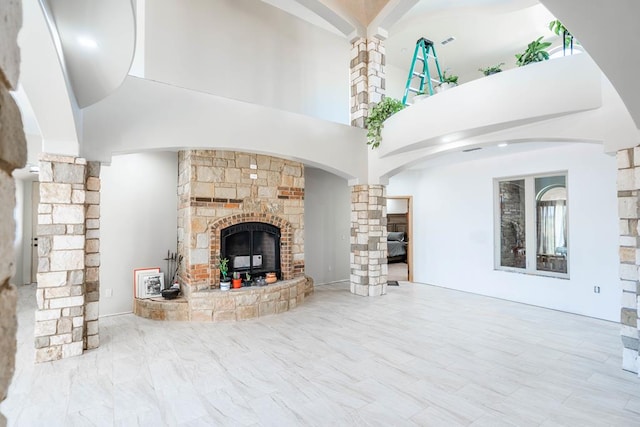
(377, 115)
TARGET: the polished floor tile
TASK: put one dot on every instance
(419, 356)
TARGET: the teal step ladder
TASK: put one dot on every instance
(424, 51)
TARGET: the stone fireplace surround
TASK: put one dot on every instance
(218, 189)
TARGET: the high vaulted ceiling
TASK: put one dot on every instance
(486, 32)
(363, 11)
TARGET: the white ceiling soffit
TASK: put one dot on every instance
(97, 39)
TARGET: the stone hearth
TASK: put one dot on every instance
(214, 305)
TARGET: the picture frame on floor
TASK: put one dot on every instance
(137, 276)
(151, 285)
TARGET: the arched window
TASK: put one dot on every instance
(551, 227)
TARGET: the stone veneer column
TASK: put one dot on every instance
(367, 77)
(68, 249)
(628, 211)
(368, 202)
(359, 84)
(13, 155)
(92, 256)
(368, 240)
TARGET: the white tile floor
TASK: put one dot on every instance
(398, 271)
(420, 355)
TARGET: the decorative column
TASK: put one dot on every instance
(68, 248)
(367, 77)
(368, 202)
(13, 155)
(368, 240)
(628, 204)
(359, 84)
(92, 256)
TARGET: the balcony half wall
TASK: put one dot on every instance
(515, 97)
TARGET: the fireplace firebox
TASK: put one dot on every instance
(252, 247)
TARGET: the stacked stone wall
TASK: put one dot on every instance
(368, 240)
(367, 77)
(628, 212)
(215, 184)
(13, 155)
(69, 260)
(92, 256)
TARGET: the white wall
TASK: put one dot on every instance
(327, 216)
(138, 204)
(396, 80)
(454, 231)
(250, 51)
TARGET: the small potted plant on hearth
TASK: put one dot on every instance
(247, 280)
(225, 282)
(237, 281)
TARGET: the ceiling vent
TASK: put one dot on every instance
(447, 40)
(472, 149)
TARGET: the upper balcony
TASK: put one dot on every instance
(561, 100)
(501, 101)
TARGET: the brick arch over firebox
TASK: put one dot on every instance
(286, 241)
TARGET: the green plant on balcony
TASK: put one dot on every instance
(378, 114)
(536, 51)
(491, 70)
(452, 79)
(560, 30)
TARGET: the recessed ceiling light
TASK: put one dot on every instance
(87, 42)
(447, 40)
(502, 144)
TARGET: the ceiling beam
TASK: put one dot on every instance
(388, 16)
(343, 25)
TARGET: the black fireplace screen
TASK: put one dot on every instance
(251, 247)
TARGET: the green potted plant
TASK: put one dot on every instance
(560, 30)
(237, 281)
(420, 96)
(447, 82)
(247, 280)
(378, 114)
(536, 51)
(223, 266)
(491, 70)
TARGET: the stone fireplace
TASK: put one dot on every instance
(249, 209)
(226, 197)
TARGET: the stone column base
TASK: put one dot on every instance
(368, 240)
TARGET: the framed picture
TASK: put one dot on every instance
(151, 285)
(137, 274)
